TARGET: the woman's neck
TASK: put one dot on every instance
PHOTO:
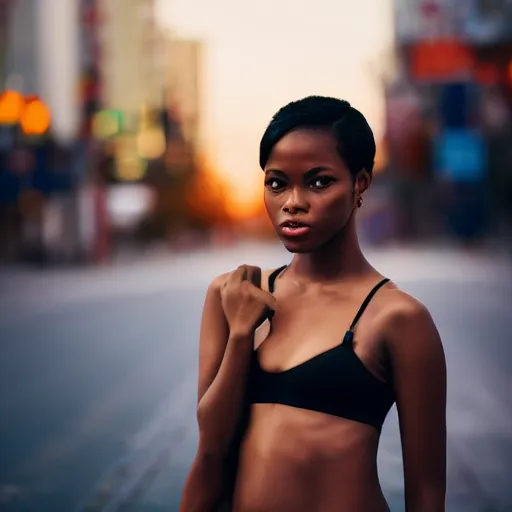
(340, 259)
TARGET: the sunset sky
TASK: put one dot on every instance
(262, 54)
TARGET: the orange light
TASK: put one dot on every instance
(36, 117)
(11, 107)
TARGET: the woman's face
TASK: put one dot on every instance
(309, 192)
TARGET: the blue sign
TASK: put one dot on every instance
(460, 155)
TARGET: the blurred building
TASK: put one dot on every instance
(4, 25)
(133, 58)
(184, 75)
(39, 125)
(19, 56)
(132, 131)
(41, 57)
(449, 115)
(132, 67)
(149, 119)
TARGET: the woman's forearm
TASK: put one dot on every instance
(204, 486)
(221, 408)
(219, 414)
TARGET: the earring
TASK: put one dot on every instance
(359, 202)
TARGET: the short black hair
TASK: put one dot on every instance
(355, 140)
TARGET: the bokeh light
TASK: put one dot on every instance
(11, 107)
(35, 117)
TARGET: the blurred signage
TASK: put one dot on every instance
(460, 155)
(475, 21)
(441, 60)
(417, 20)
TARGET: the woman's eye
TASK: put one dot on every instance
(321, 182)
(274, 184)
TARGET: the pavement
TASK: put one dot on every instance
(98, 377)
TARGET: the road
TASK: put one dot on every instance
(98, 378)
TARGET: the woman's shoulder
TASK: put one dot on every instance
(403, 316)
(397, 305)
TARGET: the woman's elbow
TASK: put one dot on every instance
(214, 438)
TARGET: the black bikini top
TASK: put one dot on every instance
(334, 382)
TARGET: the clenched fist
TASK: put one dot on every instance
(245, 304)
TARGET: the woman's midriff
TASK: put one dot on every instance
(302, 461)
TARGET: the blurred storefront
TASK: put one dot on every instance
(449, 117)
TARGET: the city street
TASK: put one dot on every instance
(98, 372)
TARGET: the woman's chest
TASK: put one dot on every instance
(305, 327)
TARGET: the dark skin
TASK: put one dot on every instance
(296, 459)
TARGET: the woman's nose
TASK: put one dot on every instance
(295, 201)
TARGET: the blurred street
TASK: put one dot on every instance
(99, 366)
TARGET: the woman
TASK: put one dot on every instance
(320, 352)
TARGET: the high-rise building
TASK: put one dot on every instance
(20, 62)
(183, 82)
(133, 58)
(42, 58)
(5, 13)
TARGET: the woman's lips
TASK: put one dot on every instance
(291, 230)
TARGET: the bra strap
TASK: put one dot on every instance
(273, 276)
(364, 305)
(271, 282)
(349, 335)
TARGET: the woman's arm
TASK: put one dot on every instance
(205, 481)
(224, 357)
(419, 375)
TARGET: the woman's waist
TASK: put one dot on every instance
(277, 477)
(286, 443)
(290, 457)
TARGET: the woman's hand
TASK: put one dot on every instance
(244, 303)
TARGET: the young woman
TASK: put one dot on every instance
(318, 351)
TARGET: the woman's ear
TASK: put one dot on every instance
(362, 183)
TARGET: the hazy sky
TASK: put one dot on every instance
(261, 54)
